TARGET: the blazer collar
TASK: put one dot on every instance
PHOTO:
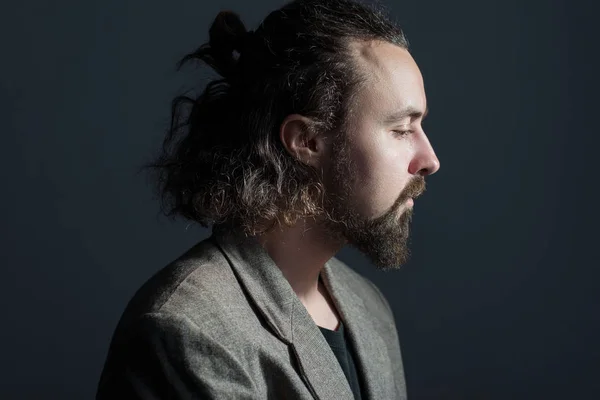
(291, 322)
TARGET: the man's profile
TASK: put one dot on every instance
(310, 139)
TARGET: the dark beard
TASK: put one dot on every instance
(384, 240)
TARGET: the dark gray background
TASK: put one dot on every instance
(499, 298)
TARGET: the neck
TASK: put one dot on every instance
(300, 252)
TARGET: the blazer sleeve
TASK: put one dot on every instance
(170, 357)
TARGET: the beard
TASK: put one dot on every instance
(384, 239)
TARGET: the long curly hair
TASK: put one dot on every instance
(221, 161)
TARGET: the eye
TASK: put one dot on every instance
(401, 133)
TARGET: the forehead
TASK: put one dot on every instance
(393, 79)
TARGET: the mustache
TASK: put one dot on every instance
(415, 188)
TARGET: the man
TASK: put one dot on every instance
(310, 140)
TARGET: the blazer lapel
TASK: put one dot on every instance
(318, 363)
(370, 348)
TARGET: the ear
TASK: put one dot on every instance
(299, 138)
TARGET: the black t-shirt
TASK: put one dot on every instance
(341, 346)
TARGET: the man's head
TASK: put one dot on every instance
(317, 115)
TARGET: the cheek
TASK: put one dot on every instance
(381, 174)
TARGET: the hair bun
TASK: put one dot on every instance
(227, 33)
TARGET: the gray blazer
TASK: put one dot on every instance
(222, 322)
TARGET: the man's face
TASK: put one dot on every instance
(380, 165)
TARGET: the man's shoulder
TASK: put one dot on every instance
(197, 284)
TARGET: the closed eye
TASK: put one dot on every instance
(401, 133)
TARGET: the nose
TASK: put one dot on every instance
(425, 161)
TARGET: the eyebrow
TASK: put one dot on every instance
(411, 112)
